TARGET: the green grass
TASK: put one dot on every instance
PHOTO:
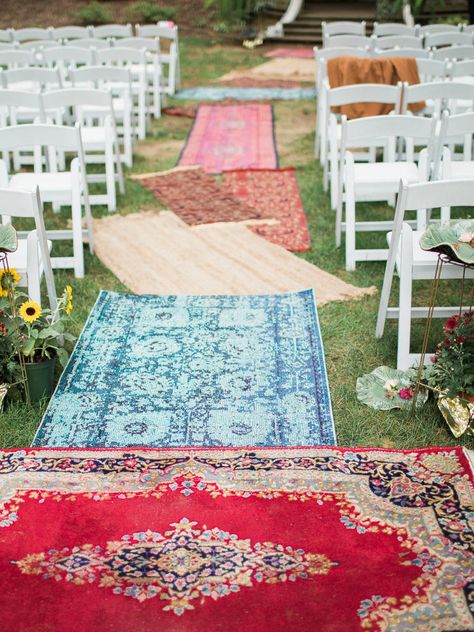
(347, 327)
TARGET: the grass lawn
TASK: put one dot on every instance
(347, 327)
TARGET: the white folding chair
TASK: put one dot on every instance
(17, 58)
(15, 107)
(112, 30)
(67, 58)
(66, 188)
(448, 38)
(453, 52)
(394, 28)
(462, 71)
(432, 69)
(457, 129)
(153, 70)
(90, 42)
(321, 57)
(71, 32)
(118, 82)
(429, 29)
(396, 41)
(135, 62)
(34, 78)
(6, 35)
(100, 142)
(438, 95)
(377, 181)
(31, 259)
(412, 263)
(331, 135)
(167, 34)
(351, 41)
(416, 53)
(34, 33)
(343, 28)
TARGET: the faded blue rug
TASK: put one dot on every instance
(205, 93)
(167, 371)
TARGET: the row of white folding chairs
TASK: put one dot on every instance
(411, 263)
(164, 31)
(390, 28)
(378, 181)
(127, 76)
(430, 41)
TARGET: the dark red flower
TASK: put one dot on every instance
(451, 324)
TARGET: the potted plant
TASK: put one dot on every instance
(451, 373)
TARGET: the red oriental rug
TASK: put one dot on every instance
(227, 137)
(196, 197)
(297, 53)
(275, 194)
(261, 540)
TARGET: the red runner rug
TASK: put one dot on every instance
(227, 137)
(196, 197)
(262, 540)
(275, 194)
(297, 53)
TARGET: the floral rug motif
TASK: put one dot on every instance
(227, 137)
(196, 197)
(273, 193)
(266, 540)
(171, 371)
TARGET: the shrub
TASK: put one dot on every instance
(95, 13)
(149, 12)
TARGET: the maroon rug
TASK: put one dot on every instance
(274, 193)
(196, 197)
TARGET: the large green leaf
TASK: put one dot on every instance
(371, 389)
(8, 239)
(445, 238)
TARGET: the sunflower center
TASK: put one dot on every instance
(31, 311)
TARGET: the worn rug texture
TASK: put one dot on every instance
(194, 370)
(247, 93)
(196, 197)
(227, 137)
(273, 193)
(220, 258)
(263, 540)
(283, 69)
(295, 53)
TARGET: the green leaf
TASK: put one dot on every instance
(63, 356)
(371, 389)
(8, 238)
(49, 332)
(445, 238)
(28, 346)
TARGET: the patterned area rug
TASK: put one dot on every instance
(274, 193)
(248, 93)
(259, 540)
(296, 53)
(231, 137)
(205, 370)
(288, 69)
(196, 197)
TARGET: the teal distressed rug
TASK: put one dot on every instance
(168, 371)
(205, 93)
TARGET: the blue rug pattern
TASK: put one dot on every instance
(205, 93)
(168, 371)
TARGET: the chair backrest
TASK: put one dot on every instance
(429, 69)
(23, 35)
(150, 44)
(71, 32)
(9, 46)
(6, 35)
(468, 28)
(116, 79)
(351, 41)
(438, 28)
(75, 97)
(462, 68)
(37, 45)
(118, 56)
(68, 55)
(415, 53)
(157, 30)
(363, 93)
(39, 77)
(456, 125)
(21, 98)
(396, 41)
(17, 58)
(454, 52)
(112, 30)
(26, 136)
(343, 28)
(325, 54)
(435, 195)
(394, 28)
(90, 42)
(443, 93)
(449, 38)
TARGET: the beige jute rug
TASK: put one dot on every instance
(157, 253)
(288, 69)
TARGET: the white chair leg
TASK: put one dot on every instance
(405, 298)
(350, 228)
(110, 175)
(334, 167)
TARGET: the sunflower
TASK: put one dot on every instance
(30, 311)
(8, 278)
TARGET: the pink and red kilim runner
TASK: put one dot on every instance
(273, 193)
(231, 137)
